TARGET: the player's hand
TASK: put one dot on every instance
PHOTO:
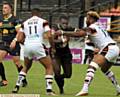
(13, 44)
(58, 33)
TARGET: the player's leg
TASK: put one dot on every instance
(16, 57)
(111, 76)
(110, 53)
(86, 56)
(111, 56)
(98, 59)
(90, 56)
(47, 63)
(3, 82)
(67, 68)
(42, 55)
(16, 60)
(22, 74)
(57, 72)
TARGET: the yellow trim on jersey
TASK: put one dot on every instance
(6, 18)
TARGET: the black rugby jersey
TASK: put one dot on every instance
(58, 46)
(7, 28)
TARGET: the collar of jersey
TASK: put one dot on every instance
(8, 17)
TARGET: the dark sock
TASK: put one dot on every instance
(60, 81)
(2, 71)
(19, 68)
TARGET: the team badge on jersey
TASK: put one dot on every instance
(5, 31)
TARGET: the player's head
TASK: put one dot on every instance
(35, 12)
(64, 20)
(7, 8)
(92, 17)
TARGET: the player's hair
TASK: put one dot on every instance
(64, 17)
(93, 14)
(7, 3)
(35, 11)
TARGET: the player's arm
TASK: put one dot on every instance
(53, 37)
(78, 33)
(47, 32)
(90, 30)
(19, 36)
(49, 35)
(81, 32)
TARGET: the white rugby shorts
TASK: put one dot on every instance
(112, 53)
(34, 50)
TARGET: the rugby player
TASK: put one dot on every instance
(9, 27)
(61, 51)
(33, 30)
(106, 57)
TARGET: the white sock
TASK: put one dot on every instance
(88, 79)
(20, 78)
(110, 75)
(49, 80)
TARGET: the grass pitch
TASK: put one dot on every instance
(100, 87)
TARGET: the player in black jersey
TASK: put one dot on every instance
(61, 53)
(9, 27)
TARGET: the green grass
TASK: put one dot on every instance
(100, 87)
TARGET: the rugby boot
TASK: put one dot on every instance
(24, 82)
(50, 92)
(3, 83)
(118, 90)
(16, 89)
(82, 93)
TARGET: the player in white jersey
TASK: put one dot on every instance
(33, 29)
(107, 55)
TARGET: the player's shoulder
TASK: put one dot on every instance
(15, 19)
(26, 21)
(36, 18)
(43, 20)
(94, 25)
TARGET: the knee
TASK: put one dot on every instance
(104, 70)
(16, 61)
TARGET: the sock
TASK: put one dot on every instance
(60, 81)
(2, 71)
(19, 68)
(21, 77)
(111, 77)
(49, 80)
(88, 79)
